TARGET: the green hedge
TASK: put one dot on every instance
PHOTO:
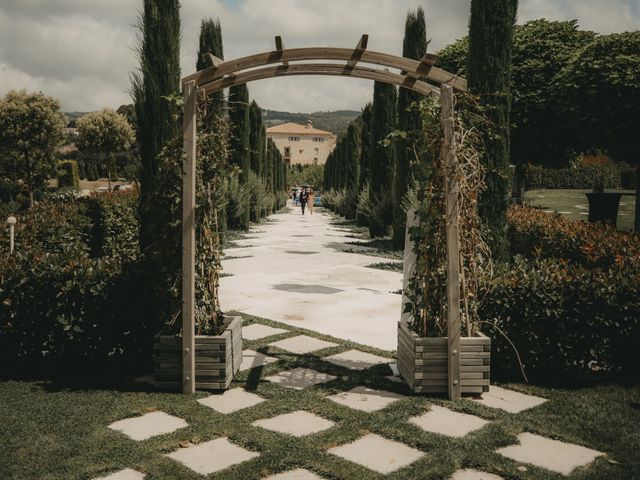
(68, 176)
(566, 321)
(585, 176)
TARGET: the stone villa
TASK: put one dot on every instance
(301, 144)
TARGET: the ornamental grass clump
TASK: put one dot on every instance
(427, 289)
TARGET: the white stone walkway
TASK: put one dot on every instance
(293, 270)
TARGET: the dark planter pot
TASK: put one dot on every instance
(218, 358)
(423, 362)
(603, 207)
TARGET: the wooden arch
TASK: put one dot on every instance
(420, 76)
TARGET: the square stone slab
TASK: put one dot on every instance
(509, 400)
(148, 425)
(470, 474)
(126, 474)
(300, 378)
(231, 400)
(302, 344)
(356, 360)
(366, 399)
(377, 453)
(298, 423)
(252, 359)
(212, 456)
(553, 455)
(446, 422)
(297, 474)
(256, 331)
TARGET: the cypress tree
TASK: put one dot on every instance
(382, 159)
(414, 46)
(489, 76)
(239, 144)
(159, 76)
(256, 138)
(211, 42)
(366, 145)
(352, 144)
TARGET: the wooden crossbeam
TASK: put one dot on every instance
(280, 48)
(358, 51)
(212, 60)
(424, 66)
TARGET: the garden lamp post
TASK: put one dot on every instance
(11, 221)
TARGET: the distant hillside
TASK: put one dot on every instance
(335, 122)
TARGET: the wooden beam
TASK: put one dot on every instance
(358, 51)
(453, 246)
(189, 239)
(319, 69)
(280, 49)
(435, 75)
(212, 60)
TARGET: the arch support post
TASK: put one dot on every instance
(453, 243)
(189, 238)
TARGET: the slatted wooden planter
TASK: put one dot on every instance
(422, 362)
(218, 358)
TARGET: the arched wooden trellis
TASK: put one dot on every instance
(418, 75)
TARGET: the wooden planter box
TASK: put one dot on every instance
(218, 358)
(423, 362)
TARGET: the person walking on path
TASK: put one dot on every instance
(304, 196)
(312, 200)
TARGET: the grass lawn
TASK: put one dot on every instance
(58, 431)
(573, 203)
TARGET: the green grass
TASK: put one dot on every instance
(573, 204)
(53, 431)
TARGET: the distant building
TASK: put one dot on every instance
(302, 145)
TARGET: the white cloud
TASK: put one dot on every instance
(83, 51)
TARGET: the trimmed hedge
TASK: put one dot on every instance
(532, 232)
(583, 176)
(68, 176)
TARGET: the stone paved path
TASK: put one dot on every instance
(294, 270)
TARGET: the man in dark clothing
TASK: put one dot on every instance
(304, 196)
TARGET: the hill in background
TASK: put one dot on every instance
(334, 122)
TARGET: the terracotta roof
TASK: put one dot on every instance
(291, 127)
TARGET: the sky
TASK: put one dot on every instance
(83, 51)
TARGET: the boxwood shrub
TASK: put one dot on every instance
(582, 176)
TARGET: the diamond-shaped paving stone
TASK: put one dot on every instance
(553, 455)
(470, 474)
(377, 453)
(231, 400)
(302, 344)
(148, 425)
(366, 399)
(509, 400)
(300, 378)
(297, 474)
(446, 422)
(298, 423)
(252, 359)
(212, 456)
(126, 474)
(256, 331)
(356, 360)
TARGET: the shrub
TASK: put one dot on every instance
(68, 175)
(581, 176)
(627, 176)
(565, 320)
(532, 232)
(238, 202)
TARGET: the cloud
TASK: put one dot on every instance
(83, 51)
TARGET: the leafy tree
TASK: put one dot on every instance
(211, 42)
(104, 133)
(489, 76)
(414, 45)
(129, 112)
(157, 79)
(31, 131)
(382, 159)
(601, 98)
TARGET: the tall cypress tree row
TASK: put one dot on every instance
(414, 46)
(256, 138)
(239, 145)
(382, 159)
(489, 75)
(159, 76)
(352, 164)
(211, 42)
